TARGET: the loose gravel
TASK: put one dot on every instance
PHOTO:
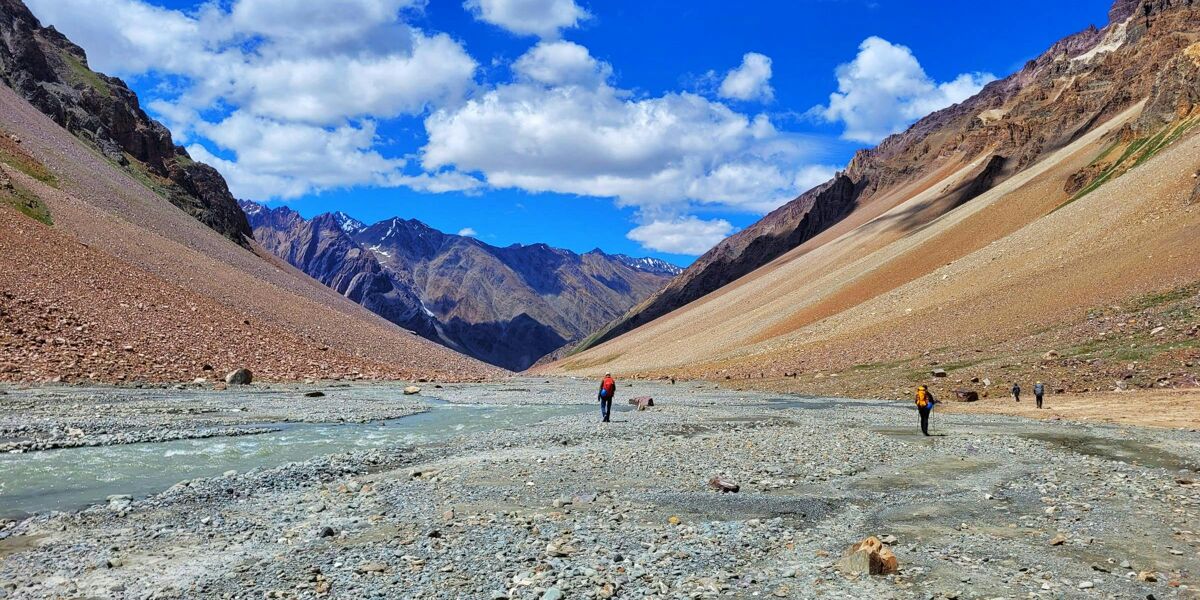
(990, 507)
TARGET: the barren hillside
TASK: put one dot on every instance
(127, 286)
(1057, 265)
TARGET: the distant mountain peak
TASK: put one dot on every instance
(648, 264)
(348, 223)
(250, 207)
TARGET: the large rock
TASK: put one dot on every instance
(966, 396)
(723, 484)
(642, 402)
(411, 390)
(869, 557)
(240, 377)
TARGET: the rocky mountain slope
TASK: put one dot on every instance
(52, 73)
(1019, 224)
(125, 261)
(507, 306)
(1078, 84)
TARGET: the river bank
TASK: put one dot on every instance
(992, 506)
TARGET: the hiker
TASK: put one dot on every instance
(925, 402)
(1038, 391)
(1016, 392)
(608, 390)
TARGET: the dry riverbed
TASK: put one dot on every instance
(993, 506)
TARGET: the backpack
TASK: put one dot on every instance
(924, 399)
(607, 388)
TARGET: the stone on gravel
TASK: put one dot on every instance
(411, 390)
(723, 484)
(869, 557)
(938, 373)
(371, 567)
(1147, 576)
(240, 377)
(1058, 540)
(316, 394)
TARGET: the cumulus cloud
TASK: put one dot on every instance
(583, 136)
(561, 63)
(884, 89)
(301, 83)
(750, 81)
(468, 232)
(543, 18)
(684, 235)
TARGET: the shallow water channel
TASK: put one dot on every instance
(72, 478)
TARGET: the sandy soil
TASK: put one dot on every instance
(1172, 409)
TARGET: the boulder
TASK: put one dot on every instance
(240, 377)
(1051, 355)
(314, 394)
(723, 484)
(938, 373)
(642, 402)
(869, 557)
(966, 396)
(411, 390)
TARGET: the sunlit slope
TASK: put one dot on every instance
(1015, 261)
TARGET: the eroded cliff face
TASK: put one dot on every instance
(1077, 85)
(52, 73)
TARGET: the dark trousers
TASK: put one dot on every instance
(1039, 400)
(605, 408)
(924, 419)
(1017, 396)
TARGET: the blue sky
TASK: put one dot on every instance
(648, 128)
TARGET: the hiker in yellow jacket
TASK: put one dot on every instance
(925, 402)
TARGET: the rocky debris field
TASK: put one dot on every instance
(990, 507)
(64, 417)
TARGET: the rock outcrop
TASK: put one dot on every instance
(507, 306)
(52, 73)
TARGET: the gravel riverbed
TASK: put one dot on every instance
(990, 507)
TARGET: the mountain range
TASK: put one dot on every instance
(1039, 229)
(507, 306)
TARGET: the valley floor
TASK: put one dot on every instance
(568, 507)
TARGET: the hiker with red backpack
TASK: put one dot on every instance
(608, 390)
(925, 402)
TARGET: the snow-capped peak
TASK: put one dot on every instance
(348, 223)
(649, 265)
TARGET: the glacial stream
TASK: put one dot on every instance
(72, 478)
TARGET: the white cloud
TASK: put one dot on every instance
(593, 139)
(543, 18)
(327, 89)
(884, 89)
(299, 158)
(468, 232)
(304, 82)
(750, 81)
(685, 235)
(561, 63)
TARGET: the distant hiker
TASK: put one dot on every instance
(1016, 392)
(925, 402)
(1038, 391)
(608, 390)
